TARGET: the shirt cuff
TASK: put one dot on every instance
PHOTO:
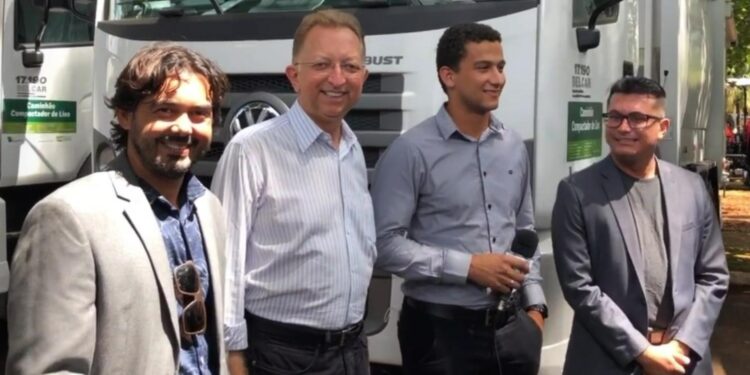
(235, 337)
(640, 346)
(533, 294)
(455, 266)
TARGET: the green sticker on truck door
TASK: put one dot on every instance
(30, 116)
(584, 130)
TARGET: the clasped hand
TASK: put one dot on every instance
(666, 359)
(499, 272)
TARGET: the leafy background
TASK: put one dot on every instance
(738, 56)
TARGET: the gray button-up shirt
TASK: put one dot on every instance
(439, 197)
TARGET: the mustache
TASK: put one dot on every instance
(185, 139)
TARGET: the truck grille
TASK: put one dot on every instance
(376, 119)
(278, 83)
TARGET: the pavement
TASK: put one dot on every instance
(730, 343)
(739, 278)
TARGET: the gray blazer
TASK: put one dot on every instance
(91, 288)
(600, 268)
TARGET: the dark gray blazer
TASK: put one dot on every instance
(600, 267)
(91, 288)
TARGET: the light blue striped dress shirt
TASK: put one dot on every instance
(441, 197)
(300, 226)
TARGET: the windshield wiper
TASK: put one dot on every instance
(177, 11)
(217, 8)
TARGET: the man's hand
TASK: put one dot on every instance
(499, 272)
(236, 363)
(666, 359)
(679, 347)
(537, 317)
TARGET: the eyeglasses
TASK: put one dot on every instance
(636, 120)
(325, 66)
(188, 282)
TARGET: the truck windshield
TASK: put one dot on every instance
(129, 9)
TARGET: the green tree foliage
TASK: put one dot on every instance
(738, 56)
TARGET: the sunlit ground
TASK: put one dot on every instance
(730, 343)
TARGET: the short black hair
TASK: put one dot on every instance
(452, 45)
(637, 85)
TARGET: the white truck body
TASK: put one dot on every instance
(45, 130)
(547, 78)
(554, 96)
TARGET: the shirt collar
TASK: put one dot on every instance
(447, 127)
(307, 131)
(191, 189)
(348, 139)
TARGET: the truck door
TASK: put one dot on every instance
(44, 103)
(44, 140)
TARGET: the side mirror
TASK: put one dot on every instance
(84, 9)
(32, 59)
(588, 38)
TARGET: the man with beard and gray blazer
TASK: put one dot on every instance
(121, 272)
(638, 250)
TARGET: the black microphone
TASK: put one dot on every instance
(524, 245)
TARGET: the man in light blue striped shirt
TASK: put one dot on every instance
(301, 233)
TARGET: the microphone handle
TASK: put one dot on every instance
(512, 293)
(505, 300)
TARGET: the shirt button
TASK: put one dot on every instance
(493, 239)
(489, 206)
(484, 173)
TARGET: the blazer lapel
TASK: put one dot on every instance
(215, 258)
(618, 200)
(671, 193)
(140, 215)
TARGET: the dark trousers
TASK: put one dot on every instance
(432, 345)
(437, 346)
(285, 349)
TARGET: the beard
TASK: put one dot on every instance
(167, 166)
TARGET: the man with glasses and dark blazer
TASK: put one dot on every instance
(120, 272)
(638, 250)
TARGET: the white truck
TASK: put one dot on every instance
(562, 56)
(45, 131)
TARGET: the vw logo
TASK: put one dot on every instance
(255, 109)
